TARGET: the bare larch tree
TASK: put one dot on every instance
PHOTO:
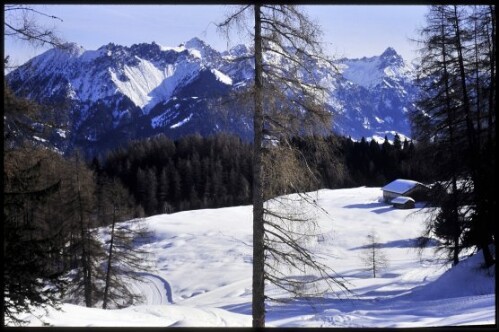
(124, 257)
(288, 101)
(373, 256)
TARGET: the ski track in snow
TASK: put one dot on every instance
(156, 288)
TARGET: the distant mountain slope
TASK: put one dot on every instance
(117, 93)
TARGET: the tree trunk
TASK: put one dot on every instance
(109, 261)
(258, 301)
(450, 124)
(85, 260)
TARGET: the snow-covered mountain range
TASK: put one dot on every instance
(117, 93)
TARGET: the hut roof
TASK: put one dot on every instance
(400, 186)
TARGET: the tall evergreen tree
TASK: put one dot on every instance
(163, 191)
(30, 258)
(397, 142)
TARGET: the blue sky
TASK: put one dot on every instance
(349, 30)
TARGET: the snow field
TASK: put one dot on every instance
(203, 261)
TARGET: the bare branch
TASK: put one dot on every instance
(19, 24)
(233, 18)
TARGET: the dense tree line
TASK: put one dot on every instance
(369, 163)
(353, 163)
(455, 123)
(193, 172)
(190, 173)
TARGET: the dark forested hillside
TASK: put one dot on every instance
(190, 173)
(195, 172)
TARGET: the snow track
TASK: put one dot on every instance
(156, 290)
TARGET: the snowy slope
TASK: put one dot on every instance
(203, 274)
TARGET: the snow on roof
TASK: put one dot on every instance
(401, 200)
(400, 186)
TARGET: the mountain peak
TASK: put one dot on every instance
(390, 57)
(390, 51)
(369, 72)
(238, 50)
(200, 49)
(147, 50)
(196, 43)
(72, 48)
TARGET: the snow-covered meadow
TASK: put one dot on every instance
(202, 274)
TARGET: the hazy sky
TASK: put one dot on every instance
(349, 30)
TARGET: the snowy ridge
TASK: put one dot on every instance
(131, 85)
(203, 263)
(369, 72)
(141, 81)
